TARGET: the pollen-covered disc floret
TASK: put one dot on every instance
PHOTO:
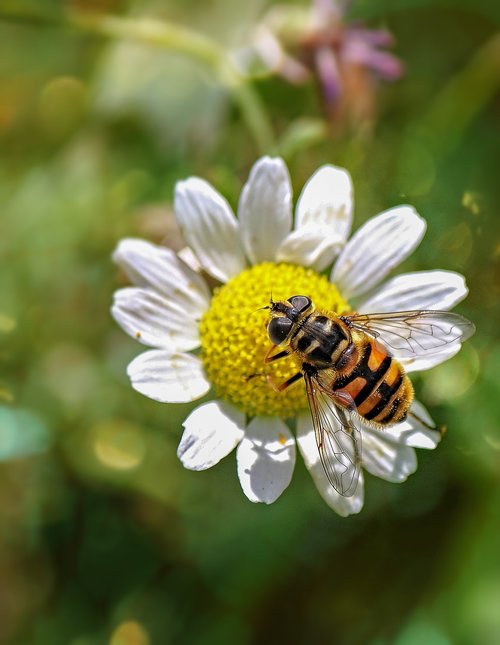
(234, 337)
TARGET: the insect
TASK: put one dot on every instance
(351, 368)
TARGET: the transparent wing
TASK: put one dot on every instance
(337, 437)
(410, 333)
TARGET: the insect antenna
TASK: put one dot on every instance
(270, 305)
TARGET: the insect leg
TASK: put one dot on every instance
(276, 357)
(282, 386)
(277, 388)
(344, 399)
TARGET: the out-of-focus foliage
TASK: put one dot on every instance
(104, 538)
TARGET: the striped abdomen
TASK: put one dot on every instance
(381, 392)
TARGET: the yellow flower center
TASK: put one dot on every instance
(234, 338)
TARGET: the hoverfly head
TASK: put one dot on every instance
(285, 315)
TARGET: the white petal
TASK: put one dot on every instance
(211, 431)
(266, 458)
(309, 246)
(426, 362)
(209, 228)
(419, 290)
(168, 378)
(188, 257)
(265, 211)
(324, 216)
(376, 248)
(386, 459)
(414, 433)
(307, 444)
(154, 321)
(327, 199)
(148, 265)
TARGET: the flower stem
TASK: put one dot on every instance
(152, 32)
(194, 45)
(180, 39)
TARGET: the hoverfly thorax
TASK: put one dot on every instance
(285, 316)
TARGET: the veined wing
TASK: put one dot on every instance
(414, 333)
(337, 437)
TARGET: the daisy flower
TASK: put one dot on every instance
(211, 341)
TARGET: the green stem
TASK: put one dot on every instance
(151, 32)
(194, 45)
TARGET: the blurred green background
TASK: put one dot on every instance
(104, 538)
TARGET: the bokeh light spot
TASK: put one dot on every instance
(119, 445)
(452, 379)
(22, 433)
(458, 241)
(61, 106)
(7, 324)
(129, 633)
(69, 372)
(471, 201)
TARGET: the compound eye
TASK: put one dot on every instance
(300, 303)
(278, 329)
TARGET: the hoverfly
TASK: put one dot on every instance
(351, 367)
